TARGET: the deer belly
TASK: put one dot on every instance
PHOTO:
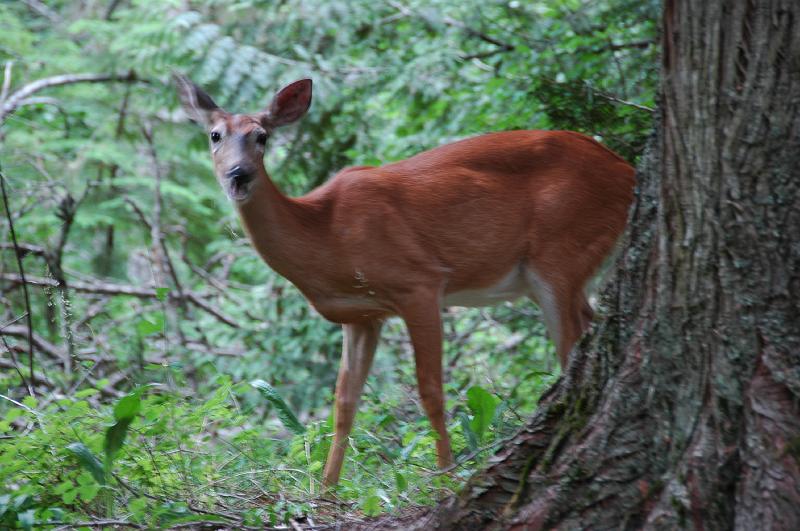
(350, 309)
(509, 288)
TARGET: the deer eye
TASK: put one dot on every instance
(261, 138)
(215, 136)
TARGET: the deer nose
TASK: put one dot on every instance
(238, 173)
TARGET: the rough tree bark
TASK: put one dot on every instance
(682, 408)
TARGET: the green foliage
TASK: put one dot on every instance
(483, 406)
(391, 79)
(88, 461)
(180, 448)
(286, 415)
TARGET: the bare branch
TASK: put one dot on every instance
(35, 341)
(615, 99)
(625, 45)
(17, 99)
(41, 9)
(200, 303)
(38, 377)
(6, 80)
(24, 248)
(108, 288)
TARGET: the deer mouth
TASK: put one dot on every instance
(239, 188)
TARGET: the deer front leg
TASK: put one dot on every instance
(360, 341)
(425, 328)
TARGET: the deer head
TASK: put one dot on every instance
(237, 141)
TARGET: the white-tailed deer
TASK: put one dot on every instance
(472, 223)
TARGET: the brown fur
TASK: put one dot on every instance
(395, 240)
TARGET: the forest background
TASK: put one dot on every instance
(131, 398)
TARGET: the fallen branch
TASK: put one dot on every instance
(35, 340)
(25, 248)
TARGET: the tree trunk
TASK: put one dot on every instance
(682, 407)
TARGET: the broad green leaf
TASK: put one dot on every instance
(482, 404)
(400, 481)
(26, 519)
(88, 492)
(371, 505)
(127, 407)
(161, 293)
(138, 508)
(86, 393)
(146, 327)
(87, 459)
(14, 413)
(115, 437)
(5, 502)
(469, 435)
(30, 401)
(69, 496)
(285, 414)
(63, 487)
(85, 478)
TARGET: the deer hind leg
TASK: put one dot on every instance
(360, 341)
(424, 324)
(564, 309)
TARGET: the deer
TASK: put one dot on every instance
(473, 223)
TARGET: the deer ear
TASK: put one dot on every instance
(198, 105)
(289, 104)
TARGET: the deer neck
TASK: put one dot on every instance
(286, 232)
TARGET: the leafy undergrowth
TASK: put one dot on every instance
(160, 458)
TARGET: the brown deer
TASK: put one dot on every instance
(472, 223)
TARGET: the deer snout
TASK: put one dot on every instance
(240, 174)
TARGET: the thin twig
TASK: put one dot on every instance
(621, 101)
(21, 273)
(16, 365)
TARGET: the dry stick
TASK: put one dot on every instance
(21, 274)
